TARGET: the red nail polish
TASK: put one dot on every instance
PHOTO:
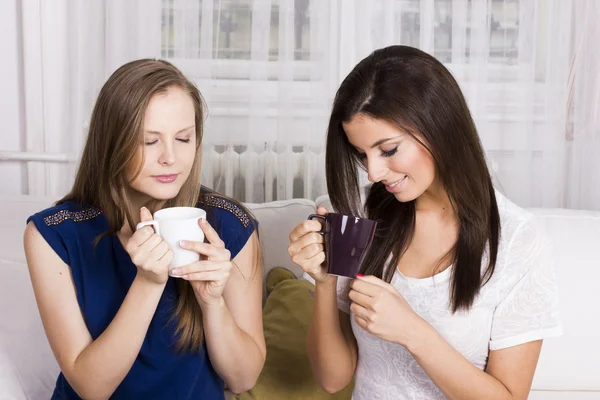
(359, 275)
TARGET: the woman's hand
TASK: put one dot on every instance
(306, 248)
(208, 276)
(150, 254)
(380, 310)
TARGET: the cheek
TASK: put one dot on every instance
(190, 154)
(426, 164)
(187, 155)
(148, 159)
(415, 161)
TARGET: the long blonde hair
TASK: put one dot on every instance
(114, 137)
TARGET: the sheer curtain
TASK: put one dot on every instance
(534, 97)
(69, 49)
(583, 129)
(268, 70)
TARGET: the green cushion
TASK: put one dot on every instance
(287, 373)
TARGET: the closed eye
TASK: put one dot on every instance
(153, 142)
(389, 153)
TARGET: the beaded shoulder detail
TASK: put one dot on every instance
(228, 205)
(75, 216)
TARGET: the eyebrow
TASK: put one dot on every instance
(183, 130)
(377, 143)
(382, 141)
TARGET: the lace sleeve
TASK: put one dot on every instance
(528, 309)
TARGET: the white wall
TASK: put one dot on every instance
(11, 127)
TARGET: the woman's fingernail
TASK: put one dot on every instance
(359, 275)
(176, 271)
(184, 244)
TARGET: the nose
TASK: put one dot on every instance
(376, 169)
(167, 156)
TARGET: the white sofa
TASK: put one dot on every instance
(569, 367)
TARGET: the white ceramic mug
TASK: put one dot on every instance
(175, 224)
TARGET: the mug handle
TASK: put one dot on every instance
(322, 217)
(153, 223)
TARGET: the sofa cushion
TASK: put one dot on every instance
(28, 369)
(276, 220)
(287, 373)
(575, 235)
(563, 395)
(324, 201)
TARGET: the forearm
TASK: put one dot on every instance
(456, 376)
(328, 349)
(110, 357)
(234, 354)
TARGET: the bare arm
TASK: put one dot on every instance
(233, 327)
(508, 376)
(110, 357)
(331, 346)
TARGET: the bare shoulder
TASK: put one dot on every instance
(33, 239)
(38, 251)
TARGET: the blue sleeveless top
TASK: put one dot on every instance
(102, 276)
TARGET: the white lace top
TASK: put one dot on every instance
(519, 304)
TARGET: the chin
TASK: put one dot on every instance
(405, 196)
(163, 193)
(164, 197)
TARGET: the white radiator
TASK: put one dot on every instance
(236, 171)
(252, 176)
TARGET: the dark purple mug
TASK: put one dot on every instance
(347, 240)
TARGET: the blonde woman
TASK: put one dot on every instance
(118, 324)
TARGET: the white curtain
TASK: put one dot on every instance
(583, 128)
(69, 49)
(269, 70)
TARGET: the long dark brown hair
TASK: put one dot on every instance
(109, 157)
(414, 92)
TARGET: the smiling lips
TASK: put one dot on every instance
(165, 178)
(390, 187)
